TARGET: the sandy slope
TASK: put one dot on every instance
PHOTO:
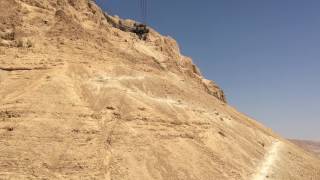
(80, 99)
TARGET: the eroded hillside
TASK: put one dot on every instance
(82, 99)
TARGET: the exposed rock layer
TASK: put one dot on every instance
(80, 99)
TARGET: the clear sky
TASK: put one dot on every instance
(265, 54)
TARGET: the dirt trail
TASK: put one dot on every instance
(265, 169)
(80, 98)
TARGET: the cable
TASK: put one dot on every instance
(143, 8)
(146, 12)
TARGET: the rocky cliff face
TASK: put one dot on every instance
(81, 99)
(83, 20)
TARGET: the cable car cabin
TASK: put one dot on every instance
(141, 30)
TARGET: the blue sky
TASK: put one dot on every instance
(265, 54)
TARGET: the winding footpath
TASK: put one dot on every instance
(265, 169)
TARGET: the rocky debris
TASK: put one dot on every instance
(7, 34)
(8, 39)
(214, 90)
(9, 114)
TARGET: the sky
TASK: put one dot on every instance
(265, 54)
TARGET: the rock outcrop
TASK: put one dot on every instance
(83, 99)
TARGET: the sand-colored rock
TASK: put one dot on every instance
(89, 101)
